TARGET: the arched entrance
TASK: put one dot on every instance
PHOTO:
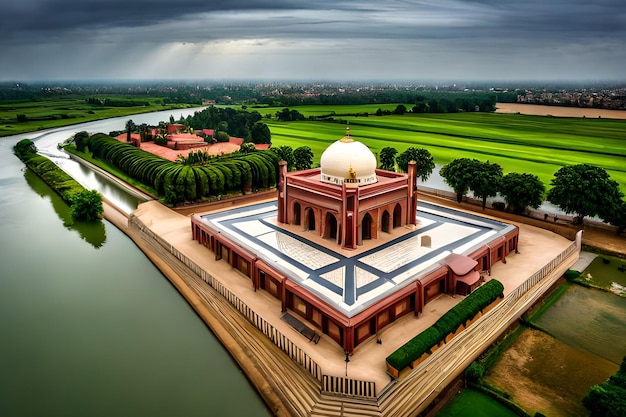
(309, 217)
(397, 216)
(330, 229)
(366, 227)
(385, 221)
(297, 214)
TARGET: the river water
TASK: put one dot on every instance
(88, 325)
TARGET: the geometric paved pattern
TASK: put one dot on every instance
(352, 283)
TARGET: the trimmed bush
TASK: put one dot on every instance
(177, 183)
(571, 275)
(447, 324)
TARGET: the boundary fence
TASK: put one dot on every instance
(335, 385)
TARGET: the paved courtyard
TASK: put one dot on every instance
(354, 280)
(537, 248)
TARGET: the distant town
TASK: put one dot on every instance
(273, 93)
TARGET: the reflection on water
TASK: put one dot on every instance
(589, 319)
(98, 332)
(92, 232)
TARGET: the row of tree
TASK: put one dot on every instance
(583, 189)
(178, 182)
(238, 123)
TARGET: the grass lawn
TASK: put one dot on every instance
(470, 403)
(49, 113)
(605, 270)
(531, 144)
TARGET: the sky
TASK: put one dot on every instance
(357, 40)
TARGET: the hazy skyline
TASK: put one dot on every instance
(566, 40)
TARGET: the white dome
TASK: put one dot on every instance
(348, 160)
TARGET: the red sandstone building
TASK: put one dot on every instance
(345, 203)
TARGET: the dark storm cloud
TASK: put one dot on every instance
(442, 32)
(384, 17)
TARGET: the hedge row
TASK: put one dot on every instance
(459, 315)
(84, 204)
(176, 183)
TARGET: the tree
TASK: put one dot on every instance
(608, 399)
(486, 181)
(400, 109)
(424, 162)
(584, 190)
(87, 205)
(388, 158)
(247, 147)
(286, 115)
(522, 190)
(130, 126)
(616, 215)
(25, 149)
(80, 139)
(221, 136)
(286, 154)
(458, 174)
(260, 133)
(303, 158)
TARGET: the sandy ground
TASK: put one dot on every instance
(539, 110)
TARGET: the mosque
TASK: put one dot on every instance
(346, 248)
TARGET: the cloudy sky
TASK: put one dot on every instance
(581, 40)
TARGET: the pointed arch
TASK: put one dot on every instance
(309, 219)
(297, 214)
(386, 220)
(330, 229)
(397, 216)
(366, 227)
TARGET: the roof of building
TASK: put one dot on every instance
(348, 160)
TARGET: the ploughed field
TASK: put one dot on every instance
(519, 143)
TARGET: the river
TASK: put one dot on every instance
(88, 325)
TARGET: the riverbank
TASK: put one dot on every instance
(208, 315)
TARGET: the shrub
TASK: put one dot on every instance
(87, 205)
(25, 149)
(448, 323)
(571, 275)
(475, 372)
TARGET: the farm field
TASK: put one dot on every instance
(50, 113)
(519, 143)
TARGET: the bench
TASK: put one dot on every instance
(301, 328)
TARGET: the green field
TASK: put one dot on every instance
(531, 144)
(470, 403)
(49, 113)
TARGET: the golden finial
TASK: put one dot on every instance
(347, 138)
